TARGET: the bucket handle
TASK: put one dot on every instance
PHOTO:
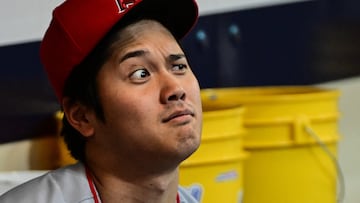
(340, 175)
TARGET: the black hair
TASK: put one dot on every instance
(81, 86)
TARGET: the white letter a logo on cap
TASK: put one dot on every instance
(124, 4)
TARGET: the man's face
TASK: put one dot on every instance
(151, 100)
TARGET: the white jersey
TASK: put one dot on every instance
(65, 185)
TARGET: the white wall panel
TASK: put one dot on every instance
(26, 20)
(219, 6)
(23, 21)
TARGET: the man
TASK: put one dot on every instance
(131, 102)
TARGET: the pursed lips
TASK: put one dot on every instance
(178, 114)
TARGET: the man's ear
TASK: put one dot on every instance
(79, 117)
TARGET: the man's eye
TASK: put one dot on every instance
(179, 68)
(140, 74)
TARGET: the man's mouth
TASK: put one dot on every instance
(177, 114)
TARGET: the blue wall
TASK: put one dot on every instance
(291, 44)
(28, 102)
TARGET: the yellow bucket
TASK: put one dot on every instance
(292, 139)
(214, 173)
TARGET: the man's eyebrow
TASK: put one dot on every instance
(132, 54)
(174, 57)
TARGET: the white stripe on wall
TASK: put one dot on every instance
(26, 20)
(219, 6)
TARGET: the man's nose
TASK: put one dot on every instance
(172, 89)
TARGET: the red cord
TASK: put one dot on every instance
(91, 185)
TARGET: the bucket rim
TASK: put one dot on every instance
(263, 94)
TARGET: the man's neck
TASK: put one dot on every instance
(113, 187)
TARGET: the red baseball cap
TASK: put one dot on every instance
(77, 26)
